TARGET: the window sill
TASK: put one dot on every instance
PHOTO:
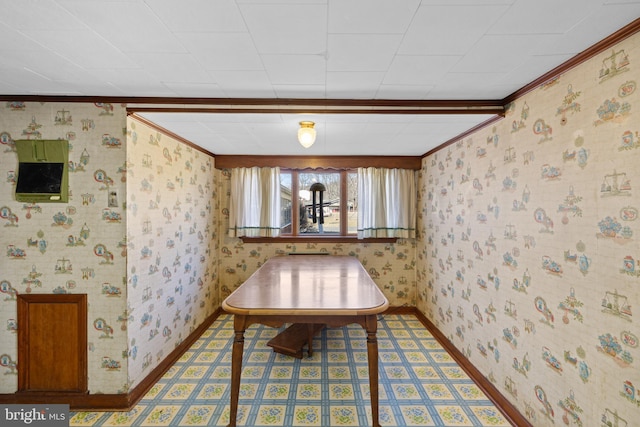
(317, 239)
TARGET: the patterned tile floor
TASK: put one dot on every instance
(420, 384)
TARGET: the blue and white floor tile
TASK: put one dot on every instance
(420, 384)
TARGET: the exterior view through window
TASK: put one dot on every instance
(335, 207)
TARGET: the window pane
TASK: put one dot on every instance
(352, 203)
(327, 213)
(285, 203)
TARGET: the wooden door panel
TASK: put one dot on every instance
(52, 343)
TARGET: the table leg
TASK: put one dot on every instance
(236, 366)
(371, 323)
(311, 331)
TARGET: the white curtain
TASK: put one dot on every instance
(254, 208)
(386, 203)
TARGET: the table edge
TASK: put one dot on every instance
(306, 311)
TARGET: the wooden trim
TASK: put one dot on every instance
(317, 239)
(344, 205)
(94, 402)
(145, 385)
(580, 58)
(463, 135)
(399, 309)
(124, 402)
(335, 106)
(113, 402)
(508, 410)
(601, 46)
(319, 162)
(280, 105)
(278, 109)
(295, 204)
(169, 133)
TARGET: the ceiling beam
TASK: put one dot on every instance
(318, 162)
(279, 105)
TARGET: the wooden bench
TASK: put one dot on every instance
(292, 340)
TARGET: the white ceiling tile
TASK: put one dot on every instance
(136, 76)
(401, 91)
(287, 29)
(49, 65)
(222, 51)
(467, 2)
(463, 26)
(371, 16)
(385, 130)
(267, 2)
(339, 49)
(10, 89)
(244, 84)
(184, 67)
(46, 16)
(196, 90)
(36, 83)
(295, 69)
(499, 53)
(130, 89)
(129, 26)
(130, 81)
(589, 31)
(264, 118)
(532, 68)
(360, 52)
(344, 85)
(557, 44)
(84, 48)
(300, 91)
(466, 86)
(490, 91)
(419, 70)
(15, 41)
(199, 15)
(543, 16)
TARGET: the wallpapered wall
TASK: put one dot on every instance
(527, 257)
(75, 247)
(138, 236)
(528, 250)
(172, 283)
(392, 266)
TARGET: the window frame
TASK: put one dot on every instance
(296, 236)
(302, 163)
(295, 201)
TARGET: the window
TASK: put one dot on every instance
(351, 208)
(335, 207)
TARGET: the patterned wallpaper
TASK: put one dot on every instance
(75, 247)
(171, 243)
(527, 258)
(392, 266)
(528, 253)
(138, 236)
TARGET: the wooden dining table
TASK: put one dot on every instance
(307, 289)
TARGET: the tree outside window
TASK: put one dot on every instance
(338, 208)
